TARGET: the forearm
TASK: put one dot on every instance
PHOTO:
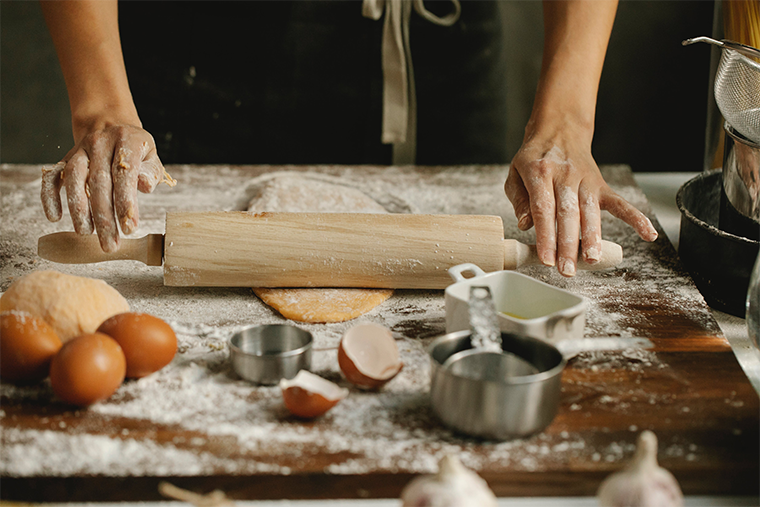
(86, 37)
(576, 34)
(554, 183)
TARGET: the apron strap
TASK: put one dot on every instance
(399, 96)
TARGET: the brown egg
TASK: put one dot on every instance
(87, 369)
(27, 344)
(148, 342)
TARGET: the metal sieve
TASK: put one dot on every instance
(737, 85)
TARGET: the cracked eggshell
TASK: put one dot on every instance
(368, 356)
(308, 395)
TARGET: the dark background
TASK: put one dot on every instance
(653, 98)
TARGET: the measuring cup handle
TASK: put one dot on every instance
(457, 272)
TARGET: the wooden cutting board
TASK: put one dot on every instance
(200, 427)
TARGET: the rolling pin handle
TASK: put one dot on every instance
(72, 248)
(518, 254)
(612, 255)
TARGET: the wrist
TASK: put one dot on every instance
(552, 125)
(86, 120)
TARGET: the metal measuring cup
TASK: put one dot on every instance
(492, 384)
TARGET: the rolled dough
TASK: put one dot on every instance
(72, 305)
(290, 192)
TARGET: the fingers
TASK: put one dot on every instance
(568, 220)
(136, 166)
(518, 196)
(101, 196)
(150, 172)
(124, 172)
(543, 212)
(591, 225)
(77, 169)
(50, 191)
(626, 212)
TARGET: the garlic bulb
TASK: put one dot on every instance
(453, 486)
(642, 483)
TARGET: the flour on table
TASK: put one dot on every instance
(303, 193)
(288, 192)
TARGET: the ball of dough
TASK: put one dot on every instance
(72, 305)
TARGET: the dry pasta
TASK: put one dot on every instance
(741, 21)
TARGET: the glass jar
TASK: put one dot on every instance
(753, 304)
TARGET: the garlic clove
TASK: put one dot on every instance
(368, 356)
(216, 498)
(453, 486)
(643, 482)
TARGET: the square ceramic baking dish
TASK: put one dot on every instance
(523, 304)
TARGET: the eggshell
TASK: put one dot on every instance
(27, 345)
(87, 369)
(368, 356)
(148, 342)
(308, 395)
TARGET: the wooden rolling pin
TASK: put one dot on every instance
(240, 249)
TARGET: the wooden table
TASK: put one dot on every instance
(200, 427)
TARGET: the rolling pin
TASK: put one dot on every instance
(241, 249)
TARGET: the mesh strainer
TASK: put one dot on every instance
(737, 85)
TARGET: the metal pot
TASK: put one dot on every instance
(740, 198)
(719, 262)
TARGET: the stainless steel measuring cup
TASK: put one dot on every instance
(266, 354)
(494, 405)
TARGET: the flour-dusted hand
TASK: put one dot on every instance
(102, 175)
(556, 186)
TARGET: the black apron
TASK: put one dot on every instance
(300, 82)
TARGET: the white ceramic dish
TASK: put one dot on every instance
(525, 306)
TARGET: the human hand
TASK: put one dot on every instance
(102, 174)
(555, 184)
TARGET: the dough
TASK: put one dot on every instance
(323, 305)
(295, 193)
(72, 305)
(288, 192)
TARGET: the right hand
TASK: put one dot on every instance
(102, 174)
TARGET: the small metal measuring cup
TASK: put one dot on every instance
(266, 354)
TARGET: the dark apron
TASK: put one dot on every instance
(300, 82)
